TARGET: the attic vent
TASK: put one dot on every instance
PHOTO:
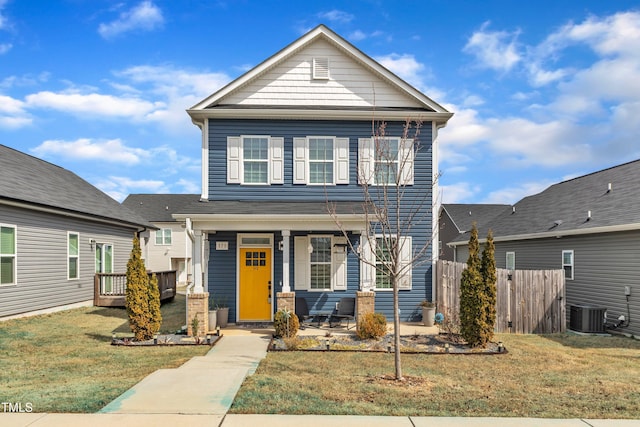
(321, 68)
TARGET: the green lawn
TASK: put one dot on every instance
(63, 362)
(562, 376)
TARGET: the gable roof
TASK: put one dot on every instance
(222, 103)
(464, 215)
(600, 202)
(33, 183)
(159, 207)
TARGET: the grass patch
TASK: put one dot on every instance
(63, 362)
(563, 376)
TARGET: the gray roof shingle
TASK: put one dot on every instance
(565, 207)
(464, 215)
(27, 179)
(159, 207)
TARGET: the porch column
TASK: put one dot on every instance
(285, 261)
(198, 252)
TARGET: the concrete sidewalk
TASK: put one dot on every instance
(233, 420)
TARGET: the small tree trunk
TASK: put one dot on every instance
(396, 329)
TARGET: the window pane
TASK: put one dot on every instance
(320, 276)
(256, 148)
(159, 237)
(568, 272)
(73, 244)
(73, 268)
(255, 172)
(167, 236)
(6, 270)
(321, 149)
(256, 241)
(321, 249)
(320, 173)
(7, 240)
(567, 258)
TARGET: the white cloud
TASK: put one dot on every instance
(495, 50)
(94, 104)
(145, 16)
(112, 151)
(511, 195)
(5, 47)
(335, 15)
(458, 192)
(408, 68)
(120, 187)
(3, 19)
(188, 186)
(12, 113)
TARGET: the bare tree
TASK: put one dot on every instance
(392, 207)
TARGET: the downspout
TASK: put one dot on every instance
(189, 230)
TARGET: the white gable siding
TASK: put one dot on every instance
(291, 83)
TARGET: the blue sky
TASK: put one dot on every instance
(542, 91)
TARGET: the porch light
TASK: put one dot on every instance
(92, 242)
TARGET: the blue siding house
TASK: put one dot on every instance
(281, 144)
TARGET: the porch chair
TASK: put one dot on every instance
(302, 311)
(346, 310)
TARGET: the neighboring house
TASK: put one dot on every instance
(588, 226)
(457, 219)
(278, 143)
(168, 247)
(56, 232)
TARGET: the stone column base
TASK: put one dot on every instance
(286, 300)
(198, 305)
(365, 303)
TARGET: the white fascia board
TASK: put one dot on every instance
(273, 222)
(557, 234)
(337, 114)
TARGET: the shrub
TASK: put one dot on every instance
(372, 326)
(142, 299)
(285, 324)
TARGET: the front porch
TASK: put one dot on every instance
(109, 289)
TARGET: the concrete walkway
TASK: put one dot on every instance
(200, 392)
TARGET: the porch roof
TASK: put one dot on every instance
(261, 215)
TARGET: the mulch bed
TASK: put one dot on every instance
(428, 344)
(166, 340)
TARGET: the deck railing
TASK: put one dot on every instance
(110, 288)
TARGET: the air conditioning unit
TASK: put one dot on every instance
(584, 318)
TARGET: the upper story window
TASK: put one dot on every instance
(7, 255)
(163, 236)
(255, 160)
(73, 255)
(321, 160)
(385, 161)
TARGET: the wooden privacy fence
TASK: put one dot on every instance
(528, 301)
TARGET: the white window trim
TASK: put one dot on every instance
(506, 261)
(69, 256)
(14, 255)
(163, 237)
(235, 160)
(572, 265)
(302, 263)
(308, 160)
(367, 161)
(301, 160)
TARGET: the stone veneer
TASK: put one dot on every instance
(286, 300)
(198, 304)
(365, 303)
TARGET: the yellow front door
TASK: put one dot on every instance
(255, 284)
